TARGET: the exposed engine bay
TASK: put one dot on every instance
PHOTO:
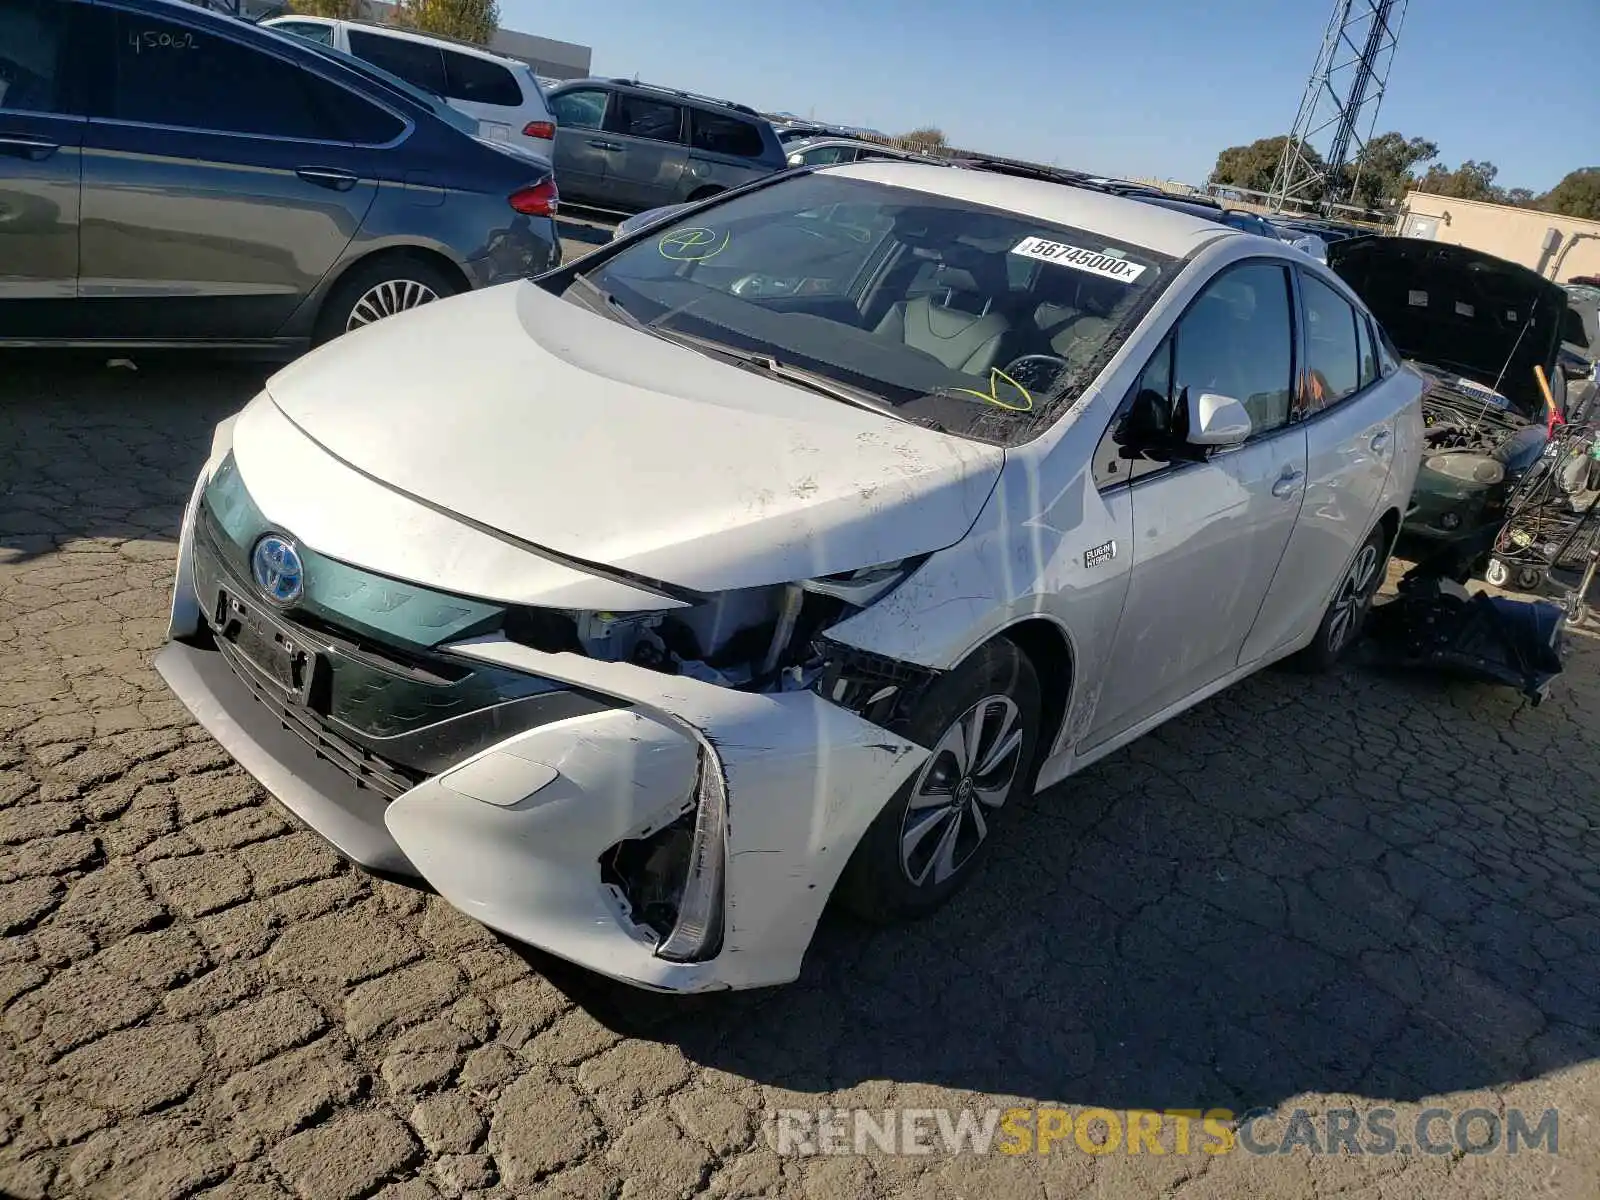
(1472, 434)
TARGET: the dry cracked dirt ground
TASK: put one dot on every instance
(1342, 892)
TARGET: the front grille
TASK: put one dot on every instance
(365, 769)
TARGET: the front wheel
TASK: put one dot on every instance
(982, 723)
(1497, 574)
(1347, 611)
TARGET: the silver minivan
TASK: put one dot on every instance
(630, 146)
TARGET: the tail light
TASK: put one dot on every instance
(537, 200)
(539, 129)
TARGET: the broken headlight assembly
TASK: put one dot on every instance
(757, 639)
(672, 879)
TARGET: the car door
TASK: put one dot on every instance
(217, 191)
(583, 152)
(649, 154)
(724, 152)
(1347, 406)
(41, 133)
(1209, 529)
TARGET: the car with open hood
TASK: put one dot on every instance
(1483, 331)
(780, 550)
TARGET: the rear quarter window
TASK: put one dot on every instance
(479, 81)
(720, 134)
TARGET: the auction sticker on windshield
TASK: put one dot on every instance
(1096, 262)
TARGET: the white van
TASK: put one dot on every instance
(502, 94)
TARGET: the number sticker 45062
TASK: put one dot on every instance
(161, 39)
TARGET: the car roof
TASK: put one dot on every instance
(1133, 221)
(470, 49)
(811, 142)
(656, 89)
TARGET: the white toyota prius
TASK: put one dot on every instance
(775, 552)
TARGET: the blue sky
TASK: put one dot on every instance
(1139, 87)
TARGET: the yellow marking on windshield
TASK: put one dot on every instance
(694, 244)
(992, 396)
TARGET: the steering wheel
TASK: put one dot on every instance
(1036, 372)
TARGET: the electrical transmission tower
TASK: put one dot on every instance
(1343, 94)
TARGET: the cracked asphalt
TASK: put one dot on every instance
(1346, 892)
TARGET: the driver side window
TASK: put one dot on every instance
(1235, 339)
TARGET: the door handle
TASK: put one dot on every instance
(1380, 441)
(338, 181)
(1287, 483)
(35, 149)
(598, 144)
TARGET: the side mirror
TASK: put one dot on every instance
(797, 160)
(1216, 420)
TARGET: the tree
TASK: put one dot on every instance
(1382, 169)
(1470, 181)
(924, 138)
(1577, 195)
(469, 20)
(1522, 198)
(1255, 167)
(342, 10)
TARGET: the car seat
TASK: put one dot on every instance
(957, 323)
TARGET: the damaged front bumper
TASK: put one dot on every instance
(671, 833)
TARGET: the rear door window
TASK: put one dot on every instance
(417, 63)
(479, 81)
(721, 134)
(641, 117)
(32, 38)
(583, 108)
(1333, 356)
(166, 73)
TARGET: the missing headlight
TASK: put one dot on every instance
(873, 686)
(672, 879)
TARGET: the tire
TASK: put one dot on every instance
(882, 885)
(1341, 624)
(395, 281)
(1497, 574)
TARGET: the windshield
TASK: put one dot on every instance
(966, 319)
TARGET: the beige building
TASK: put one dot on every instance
(1557, 247)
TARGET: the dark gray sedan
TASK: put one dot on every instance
(171, 177)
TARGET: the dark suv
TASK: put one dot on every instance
(631, 146)
(172, 176)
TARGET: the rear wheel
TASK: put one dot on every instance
(1497, 574)
(1347, 611)
(381, 287)
(982, 722)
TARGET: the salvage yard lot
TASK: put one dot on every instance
(1317, 892)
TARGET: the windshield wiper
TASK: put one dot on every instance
(766, 363)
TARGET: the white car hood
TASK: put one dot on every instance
(541, 420)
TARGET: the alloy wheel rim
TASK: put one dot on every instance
(966, 778)
(387, 298)
(1352, 595)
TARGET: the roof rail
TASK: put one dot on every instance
(683, 95)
